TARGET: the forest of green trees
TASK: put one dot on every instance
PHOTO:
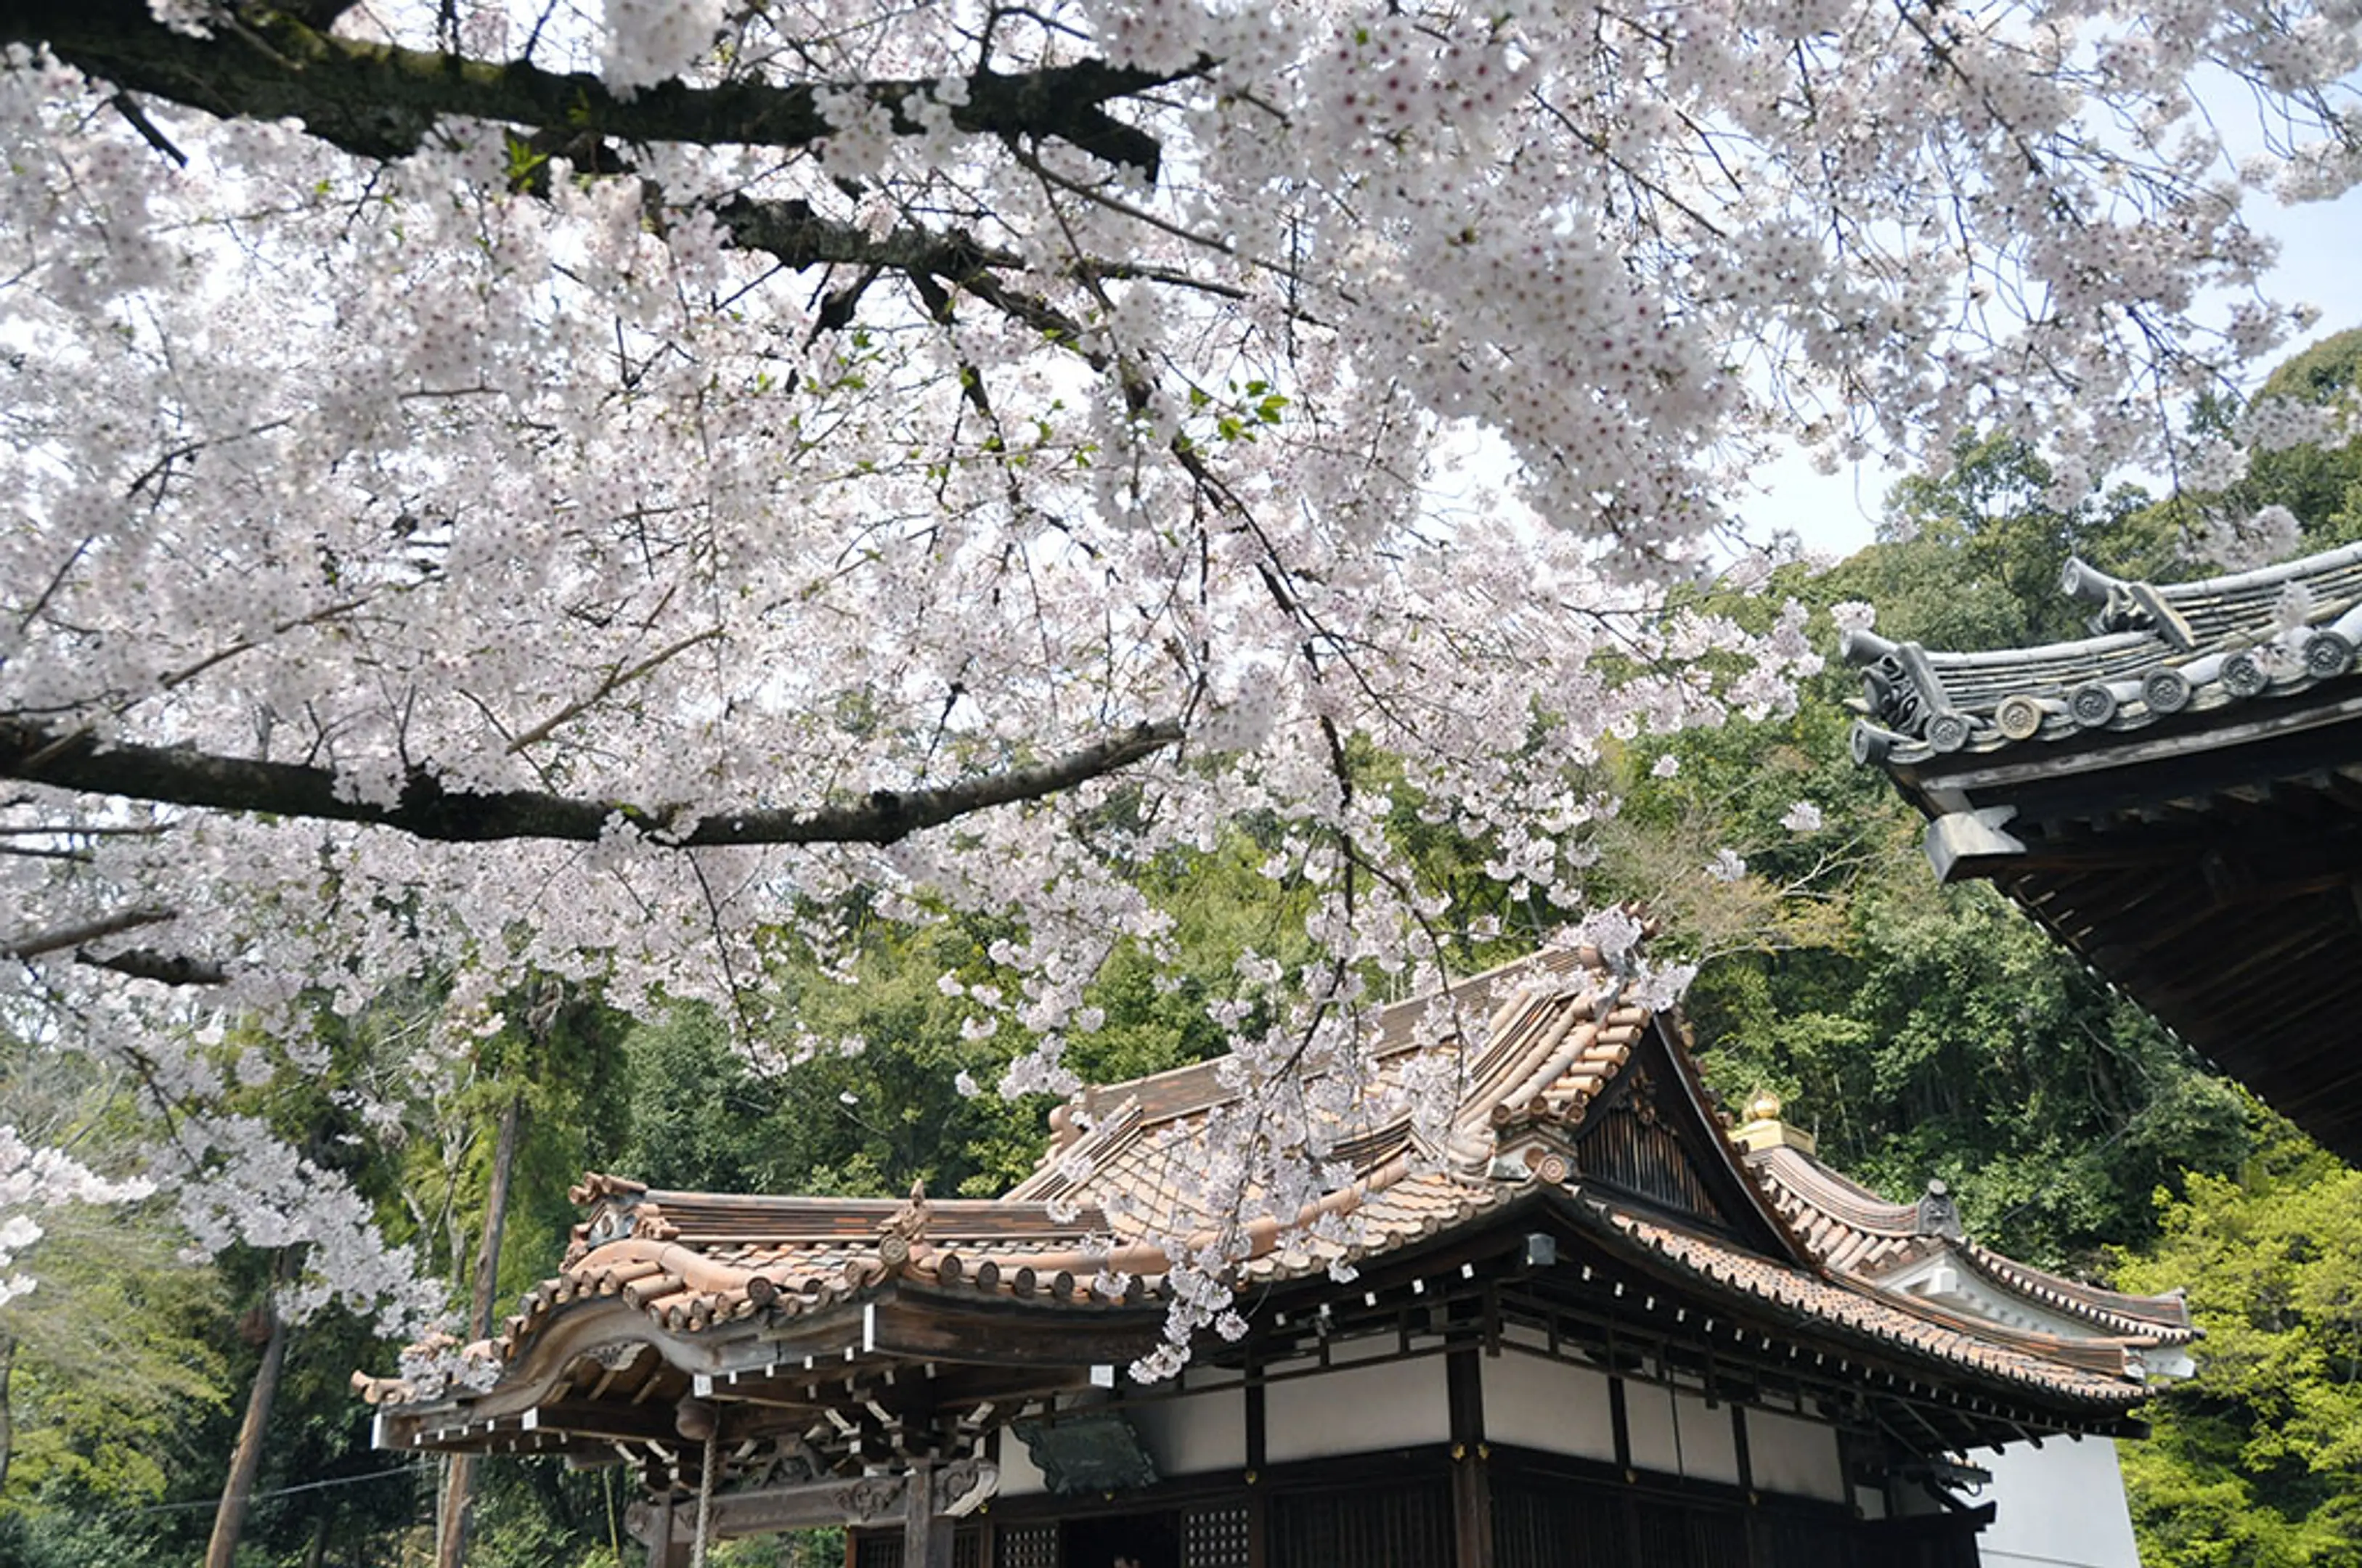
(1920, 1030)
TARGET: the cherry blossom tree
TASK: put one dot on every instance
(503, 485)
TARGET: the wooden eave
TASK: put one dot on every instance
(2178, 801)
(2220, 890)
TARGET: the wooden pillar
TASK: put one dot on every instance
(1258, 1498)
(926, 1534)
(1472, 1488)
(663, 1528)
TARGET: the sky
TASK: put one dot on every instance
(2320, 264)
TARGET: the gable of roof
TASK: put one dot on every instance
(1554, 1063)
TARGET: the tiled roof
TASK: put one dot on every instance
(2080, 1369)
(695, 1262)
(1854, 1232)
(1554, 1034)
(1549, 1037)
(2188, 648)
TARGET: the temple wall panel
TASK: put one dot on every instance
(1019, 1478)
(1649, 1423)
(1195, 1433)
(1393, 1404)
(1797, 1457)
(2062, 1504)
(1676, 1432)
(1709, 1443)
(1550, 1406)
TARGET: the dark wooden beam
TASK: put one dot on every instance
(941, 1328)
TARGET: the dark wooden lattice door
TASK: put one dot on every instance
(1398, 1526)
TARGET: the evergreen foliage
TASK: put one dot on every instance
(2257, 1460)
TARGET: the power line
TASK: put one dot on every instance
(258, 1497)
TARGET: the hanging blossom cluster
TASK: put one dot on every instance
(604, 504)
(34, 1178)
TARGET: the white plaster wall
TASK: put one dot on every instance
(1709, 1447)
(1018, 1476)
(1794, 1457)
(1355, 1411)
(2061, 1505)
(1547, 1405)
(1193, 1434)
(1648, 1420)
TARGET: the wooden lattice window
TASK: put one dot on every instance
(1216, 1536)
(1558, 1524)
(1683, 1535)
(1406, 1526)
(1025, 1546)
(1804, 1542)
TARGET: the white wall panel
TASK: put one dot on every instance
(1649, 1419)
(1550, 1406)
(2061, 1505)
(1018, 1476)
(1356, 1411)
(1193, 1434)
(1793, 1456)
(1709, 1447)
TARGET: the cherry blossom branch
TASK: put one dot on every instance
(617, 678)
(57, 938)
(379, 100)
(424, 808)
(139, 963)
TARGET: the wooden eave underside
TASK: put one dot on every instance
(902, 1365)
(2219, 887)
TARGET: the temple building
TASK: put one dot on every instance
(2177, 798)
(1588, 1323)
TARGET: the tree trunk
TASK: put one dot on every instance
(246, 1460)
(8, 1418)
(459, 1477)
(317, 1555)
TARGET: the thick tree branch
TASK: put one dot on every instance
(57, 938)
(139, 963)
(182, 777)
(379, 100)
(793, 233)
(165, 968)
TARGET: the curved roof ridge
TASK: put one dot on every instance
(2183, 649)
(1950, 661)
(1838, 1197)
(1824, 1201)
(2163, 1317)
